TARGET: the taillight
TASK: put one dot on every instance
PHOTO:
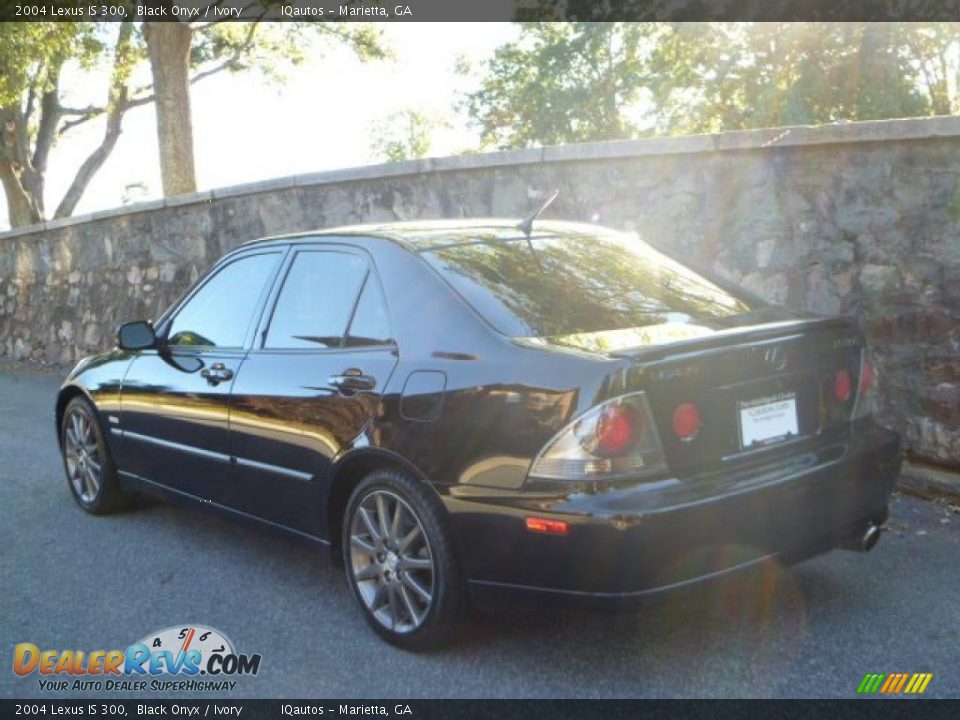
(614, 439)
(616, 430)
(866, 388)
(842, 386)
(686, 421)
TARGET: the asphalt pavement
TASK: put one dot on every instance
(72, 581)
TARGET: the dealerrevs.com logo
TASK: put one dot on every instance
(182, 658)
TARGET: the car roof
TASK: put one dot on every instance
(423, 235)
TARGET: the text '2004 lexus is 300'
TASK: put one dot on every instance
(471, 412)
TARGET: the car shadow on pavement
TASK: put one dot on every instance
(769, 600)
(766, 601)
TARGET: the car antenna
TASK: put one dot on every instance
(526, 225)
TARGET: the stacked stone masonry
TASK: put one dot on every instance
(858, 218)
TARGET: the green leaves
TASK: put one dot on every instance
(574, 82)
(31, 54)
(772, 74)
(272, 48)
(561, 83)
(33, 113)
(404, 135)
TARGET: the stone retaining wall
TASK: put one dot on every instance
(858, 218)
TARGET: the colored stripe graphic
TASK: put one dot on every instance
(920, 682)
(894, 683)
(901, 683)
(871, 683)
(891, 681)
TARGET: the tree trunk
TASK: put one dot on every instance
(98, 157)
(21, 208)
(117, 105)
(34, 180)
(169, 47)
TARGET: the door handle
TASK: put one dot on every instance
(352, 380)
(216, 373)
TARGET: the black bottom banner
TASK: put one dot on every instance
(498, 709)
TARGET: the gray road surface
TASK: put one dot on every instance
(74, 581)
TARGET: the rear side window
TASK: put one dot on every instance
(370, 325)
(220, 312)
(316, 300)
(579, 284)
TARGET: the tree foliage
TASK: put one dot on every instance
(404, 135)
(563, 82)
(35, 116)
(32, 57)
(176, 48)
(576, 82)
(713, 77)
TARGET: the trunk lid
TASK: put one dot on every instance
(760, 390)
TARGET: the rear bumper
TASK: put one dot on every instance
(629, 544)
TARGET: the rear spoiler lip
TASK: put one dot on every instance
(741, 335)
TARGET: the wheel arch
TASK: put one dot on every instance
(348, 471)
(64, 396)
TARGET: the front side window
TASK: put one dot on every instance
(219, 313)
(316, 301)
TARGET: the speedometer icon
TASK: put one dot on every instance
(179, 639)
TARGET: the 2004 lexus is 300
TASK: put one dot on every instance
(471, 412)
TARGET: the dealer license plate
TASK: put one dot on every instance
(768, 420)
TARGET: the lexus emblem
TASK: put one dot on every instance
(775, 357)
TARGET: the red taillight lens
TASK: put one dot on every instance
(686, 421)
(842, 386)
(616, 430)
(617, 438)
(866, 377)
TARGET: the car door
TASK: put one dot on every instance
(310, 384)
(175, 399)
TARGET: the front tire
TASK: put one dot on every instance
(401, 563)
(91, 473)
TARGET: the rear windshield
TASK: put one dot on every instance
(579, 284)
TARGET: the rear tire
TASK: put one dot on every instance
(91, 472)
(401, 563)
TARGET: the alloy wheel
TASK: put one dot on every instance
(83, 456)
(391, 561)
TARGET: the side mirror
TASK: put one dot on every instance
(137, 335)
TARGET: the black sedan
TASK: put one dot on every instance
(476, 412)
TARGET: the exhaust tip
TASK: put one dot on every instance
(870, 536)
(865, 541)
